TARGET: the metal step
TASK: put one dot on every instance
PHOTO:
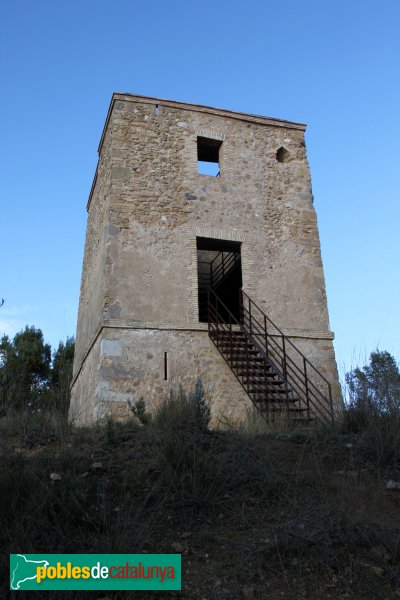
(257, 358)
(269, 382)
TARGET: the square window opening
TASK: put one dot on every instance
(208, 156)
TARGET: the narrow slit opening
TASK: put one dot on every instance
(165, 366)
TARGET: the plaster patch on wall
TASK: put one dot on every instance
(111, 348)
(102, 389)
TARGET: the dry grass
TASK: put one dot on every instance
(260, 512)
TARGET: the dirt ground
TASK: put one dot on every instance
(286, 516)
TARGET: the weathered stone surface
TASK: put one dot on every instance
(111, 348)
(148, 204)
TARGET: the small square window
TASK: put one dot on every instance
(208, 156)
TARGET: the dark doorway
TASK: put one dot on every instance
(219, 267)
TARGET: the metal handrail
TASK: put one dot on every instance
(268, 365)
(219, 267)
(309, 391)
(223, 327)
(242, 293)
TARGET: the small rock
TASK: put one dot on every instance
(392, 485)
(185, 535)
(97, 465)
(85, 474)
(381, 552)
(378, 571)
(248, 592)
(267, 541)
(352, 474)
(177, 547)
(55, 477)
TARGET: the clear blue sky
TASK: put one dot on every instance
(333, 65)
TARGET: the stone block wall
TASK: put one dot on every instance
(147, 207)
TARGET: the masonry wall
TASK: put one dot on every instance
(129, 364)
(160, 204)
(96, 260)
(140, 272)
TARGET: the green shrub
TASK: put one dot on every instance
(183, 411)
(139, 410)
(373, 409)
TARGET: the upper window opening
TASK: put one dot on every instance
(282, 155)
(208, 156)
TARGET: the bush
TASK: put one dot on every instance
(373, 409)
(181, 411)
(139, 410)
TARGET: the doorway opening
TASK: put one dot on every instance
(219, 267)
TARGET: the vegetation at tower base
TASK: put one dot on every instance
(373, 409)
(177, 410)
(31, 377)
(255, 514)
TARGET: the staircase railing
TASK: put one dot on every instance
(217, 269)
(313, 389)
(222, 325)
(256, 374)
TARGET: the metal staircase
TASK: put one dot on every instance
(278, 378)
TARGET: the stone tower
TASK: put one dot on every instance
(179, 190)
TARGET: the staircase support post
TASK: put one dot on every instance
(306, 387)
(284, 356)
(266, 390)
(284, 368)
(250, 318)
(217, 319)
(266, 336)
(231, 343)
(208, 312)
(247, 368)
(331, 403)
